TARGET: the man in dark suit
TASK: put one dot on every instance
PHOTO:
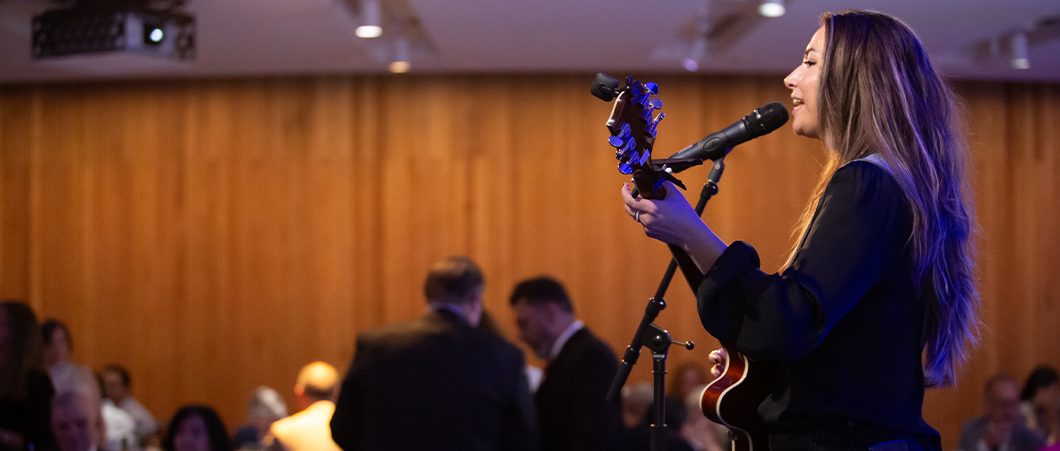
(1002, 428)
(572, 411)
(437, 382)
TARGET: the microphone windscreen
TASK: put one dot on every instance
(772, 116)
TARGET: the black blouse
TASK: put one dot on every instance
(843, 323)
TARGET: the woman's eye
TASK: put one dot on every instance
(809, 63)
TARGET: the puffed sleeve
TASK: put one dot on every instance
(862, 223)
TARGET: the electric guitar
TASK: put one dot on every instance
(733, 398)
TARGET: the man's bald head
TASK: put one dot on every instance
(316, 382)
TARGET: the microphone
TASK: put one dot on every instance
(718, 144)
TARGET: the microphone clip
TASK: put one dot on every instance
(675, 165)
(664, 173)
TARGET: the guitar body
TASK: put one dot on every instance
(732, 400)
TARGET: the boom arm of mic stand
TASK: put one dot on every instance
(657, 303)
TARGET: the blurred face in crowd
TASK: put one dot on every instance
(192, 435)
(688, 379)
(74, 424)
(1047, 397)
(535, 322)
(114, 387)
(1003, 402)
(59, 349)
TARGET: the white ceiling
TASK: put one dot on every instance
(273, 37)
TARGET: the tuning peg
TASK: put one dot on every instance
(655, 124)
(615, 141)
(625, 168)
(643, 158)
(652, 87)
(624, 131)
(650, 103)
(623, 152)
(649, 107)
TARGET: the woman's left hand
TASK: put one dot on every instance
(670, 220)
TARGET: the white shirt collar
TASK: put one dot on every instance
(563, 337)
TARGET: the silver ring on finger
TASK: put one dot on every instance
(636, 216)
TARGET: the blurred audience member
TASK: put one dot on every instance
(533, 374)
(25, 388)
(120, 430)
(636, 402)
(1001, 428)
(701, 433)
(686, 379)
(573, 412)
(58, 344)
(487, 324)
(196, 428)
(437, 382)
(265, 407)
(116, 391)
(76, 420)
(638, 438)
(315, 391)
(1040, 402)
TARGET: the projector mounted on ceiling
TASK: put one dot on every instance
(91, 27)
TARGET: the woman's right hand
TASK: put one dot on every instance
(718, 358)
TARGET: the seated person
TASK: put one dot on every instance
(1040, 402)
(116, 391)
(315, 391)
(638, 438)
(25, 388)
(265, 407)
(120, 431)
(58, 346)
(196, 428)
(1001, 428)
(636, 402)
(701, 433)
(76, 421)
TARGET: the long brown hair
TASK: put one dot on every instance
(23, 353)
(879, 94)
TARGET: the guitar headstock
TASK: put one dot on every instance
(633, 128)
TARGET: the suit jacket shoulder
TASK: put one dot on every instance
(434, 382)
(572, 410)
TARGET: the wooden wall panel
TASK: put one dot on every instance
(215, 235)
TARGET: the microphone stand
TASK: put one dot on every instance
(659, 340)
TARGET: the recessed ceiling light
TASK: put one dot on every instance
(771, 8)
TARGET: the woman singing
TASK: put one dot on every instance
(877, 299)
